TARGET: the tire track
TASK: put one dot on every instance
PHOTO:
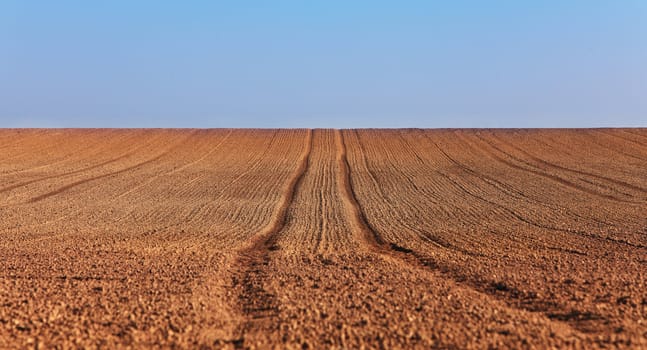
(507, 188)
(537, 172)
(512, 297)
(624, 139)
(185, 166)
(425, 236)
(358, 218)
(525, 220)
(109, 161)
(413, 179)
(387, 288)
(562, 168)
(70, 147)
(513, 213)
(317, 226)
(608, 146)
(256, 304)
(635, 132)
(81, 182)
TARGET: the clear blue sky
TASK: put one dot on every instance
(322, 63)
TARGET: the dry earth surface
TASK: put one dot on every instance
(323, 238)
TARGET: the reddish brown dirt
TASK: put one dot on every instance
(323, 238)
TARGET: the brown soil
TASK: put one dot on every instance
(323, 238)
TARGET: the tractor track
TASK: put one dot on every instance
(255, 302)
(323, 238)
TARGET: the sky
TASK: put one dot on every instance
(337, 64)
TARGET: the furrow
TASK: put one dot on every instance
(171, 172)
(67, 151)
(636, 132)
(624, 139)
(544, 192)
(508, 189)
(532, 170)
(255, 302)
(78, 171)
(566, 169)
(617, 150)
(528, 221)
(356, 215)
(376, 243)
(94, 178)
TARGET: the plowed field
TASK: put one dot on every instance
(323, 238)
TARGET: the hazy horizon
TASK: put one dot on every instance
(291, 64)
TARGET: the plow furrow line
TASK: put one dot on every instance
(254, 187)
(509, 190)
(429, 190)
(183, 167)
(481, 151)
(113, 160)
(80, 182)
(624, 139)
(411, 208)
(636, 132)
(376, 243)
(537, 172)
(562, 168)
(592, 148)
(206, 209)
(540, 225)
(98, 147)
(255, 301)
(616, 150)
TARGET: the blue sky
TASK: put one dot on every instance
(323, 63)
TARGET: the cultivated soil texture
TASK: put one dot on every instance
(316, 239)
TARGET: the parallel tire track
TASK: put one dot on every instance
(565, 169)
(66, 157)
(357, 217)
(507, 188)
(255, 302)
(78, 171)
(183, 167)
(324, 239)
(375, 242)
(538, 172)
(522, 218)
(94, 178)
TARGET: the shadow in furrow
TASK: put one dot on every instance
(255, 303)
(504, 187)
(625, 139)
(73, 172)
(80, 182)
(521, 300)
(529, 168)
(176, 170)
(566, 169)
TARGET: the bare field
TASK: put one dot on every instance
(323, 238)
